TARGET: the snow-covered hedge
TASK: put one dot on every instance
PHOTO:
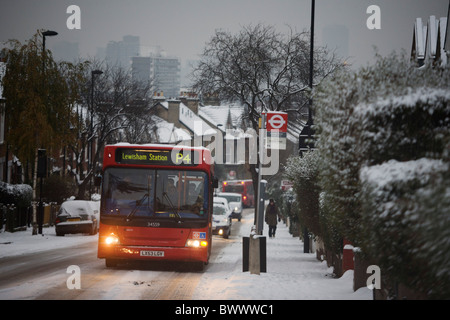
(304, 174)
(403, 127)
(17, 194)
(392, 118)
(407, 222)
(311, 210)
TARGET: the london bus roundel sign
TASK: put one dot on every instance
(276, 121)
(276, 130)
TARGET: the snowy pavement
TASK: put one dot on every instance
(291, 274)
(23, 242)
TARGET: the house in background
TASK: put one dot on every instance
(181, 113)
(226, 127)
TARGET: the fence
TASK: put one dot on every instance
(14, 218)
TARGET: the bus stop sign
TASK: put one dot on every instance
(276, 121)
(276, 130)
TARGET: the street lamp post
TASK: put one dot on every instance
(47, 33)
(91, 151)
(311, 52)
(38, 218)
(310, 122)
(306, 136)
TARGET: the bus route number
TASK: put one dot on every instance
(183, 158)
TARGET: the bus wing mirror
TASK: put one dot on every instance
(215, 182)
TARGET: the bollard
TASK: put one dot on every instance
(347, 256)
(10, 216)
(254, 256)
(245, 253)
(2, 216)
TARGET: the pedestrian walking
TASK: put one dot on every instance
(272, 217)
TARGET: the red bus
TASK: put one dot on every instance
(156, 203)
(244, 187)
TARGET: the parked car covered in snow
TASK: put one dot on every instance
(77, 216)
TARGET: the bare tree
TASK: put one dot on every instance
(119, 111)
(262, 69)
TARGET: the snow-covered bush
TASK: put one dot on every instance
(304, 174)
(403, 127)
(407, 222)
(18, 194)
(310, 207)
(390, 114)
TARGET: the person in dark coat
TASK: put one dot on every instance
(272, 216)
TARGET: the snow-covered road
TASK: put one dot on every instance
(43, 262)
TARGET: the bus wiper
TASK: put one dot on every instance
(133, 212)
(174, 210)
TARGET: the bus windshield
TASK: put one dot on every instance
(135, 193)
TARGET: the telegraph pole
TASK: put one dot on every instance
(310, 122)
(311, 54)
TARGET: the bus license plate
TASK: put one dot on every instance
(148, 253)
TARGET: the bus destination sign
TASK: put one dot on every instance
(155, 157)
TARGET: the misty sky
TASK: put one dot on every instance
(182, 27)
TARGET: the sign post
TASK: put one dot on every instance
(276, 129)
(254, 247)
(259, 207)
(272, 135)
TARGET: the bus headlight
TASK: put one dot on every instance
(112, 239)
(194, 243)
